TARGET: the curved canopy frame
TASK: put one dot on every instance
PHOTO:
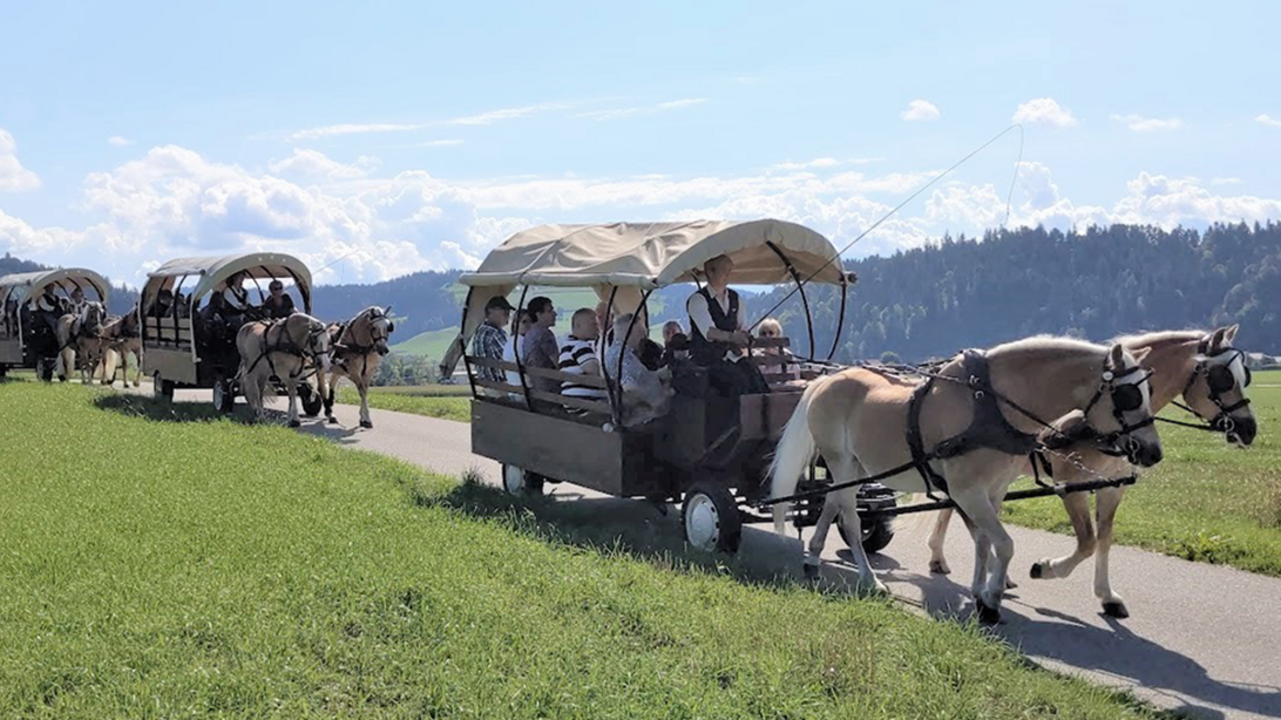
(626, 261)
(19, 286)
(214, 271)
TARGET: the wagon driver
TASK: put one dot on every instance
(717, 338)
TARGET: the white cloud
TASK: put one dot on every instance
(1266, 119)
(13, 176)
(351, 129)
(119, 141)
(314, 165)
(823, 162)
(615, 113)
(1225, 181)
(493, 116)
(437, 143)
(918, 110)
(1046, 111)
(1138, 123)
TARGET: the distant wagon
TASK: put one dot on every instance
(183, 349)
(24, 342)
(710, 452)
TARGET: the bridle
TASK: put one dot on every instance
(1219, 379)
(373, 315)
(1126, 397)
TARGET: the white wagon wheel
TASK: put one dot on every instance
(710, 518)
(162, 389)
(519, 481)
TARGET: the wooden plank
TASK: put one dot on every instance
(763, 416)
(578, 403)
(557, 448)
(500, 386)
(593, 381)
(780, 342)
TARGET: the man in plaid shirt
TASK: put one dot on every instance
(490, 337)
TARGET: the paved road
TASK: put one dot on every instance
(1202, 639)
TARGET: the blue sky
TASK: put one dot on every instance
(405, 136)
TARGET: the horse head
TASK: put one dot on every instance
(1216, 390)
(380, 327)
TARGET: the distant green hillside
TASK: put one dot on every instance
(432, 343)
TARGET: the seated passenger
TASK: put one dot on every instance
(675, 343)
(163, 305)
(772, 329)
(509, 350)
(491, 337)
(279, 304)
(47, 308)
(671, 329)
(182, 306)
(578, 355)
(717, 336)
(644, 395)
(77, 304)
(539, 348)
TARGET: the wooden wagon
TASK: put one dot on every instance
(710, 452)
(25, 343)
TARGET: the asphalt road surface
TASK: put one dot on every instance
(1201, 639)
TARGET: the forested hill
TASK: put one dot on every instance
(421, 301)
(1095, 284)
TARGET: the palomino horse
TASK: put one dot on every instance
(284, 351)
(122, 338)
(359, 345)
(79, 339)
(1211, 376)
(967, 431)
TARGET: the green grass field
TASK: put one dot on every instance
(450, 402)
(431, 344)
(160, 563)
(1206, 501)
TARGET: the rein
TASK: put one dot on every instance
(1222, 422)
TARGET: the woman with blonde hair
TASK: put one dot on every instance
(771, 329)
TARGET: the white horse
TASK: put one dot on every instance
(969, 439)
(282, 351)
(1211, 376)
(80, 339)
(122, 338)
(359, 344)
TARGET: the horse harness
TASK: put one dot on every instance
(989, 429)
(1220, 380)
(285, 344)
(363, 350)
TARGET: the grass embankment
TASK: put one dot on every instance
(450, 402)
(161, 563)
(1206, 501)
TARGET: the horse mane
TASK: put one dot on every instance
(1048, 343)
(1163, 337)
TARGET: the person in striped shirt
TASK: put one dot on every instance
(578, 354)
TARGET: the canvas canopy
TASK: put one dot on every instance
(631, 258)
(652, 255)
(214, 271)
(20, 285)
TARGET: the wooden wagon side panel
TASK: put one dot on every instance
(10, 352)
(173, 365)
(554, 447)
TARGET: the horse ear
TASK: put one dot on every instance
(1141, 354)
(1216, 340)
(387, 310)
(1230, 335)
(1116, 356)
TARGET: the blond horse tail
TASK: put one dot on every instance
(792, 456)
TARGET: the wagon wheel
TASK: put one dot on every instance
(312, 403)
(224, 395)
(518, 481)
(163, 389)
(877, 532)
(711, 519)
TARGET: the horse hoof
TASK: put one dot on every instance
(988, 615)
(62, 378)
(1010, 584)
(333, 420)
(811, 572)
(938, 567)
(295, 424)
(1115, 609)
(366, 424)
(1037, 572)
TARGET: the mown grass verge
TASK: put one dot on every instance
(160, 562)
(449, 402)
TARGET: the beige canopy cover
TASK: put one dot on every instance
(216, 270)
(634, 257)
(21, 284)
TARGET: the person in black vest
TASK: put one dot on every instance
(716, 334)
(279, 304)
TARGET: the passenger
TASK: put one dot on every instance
(509, 350)
(491, 337)
(578, 355)
(675, 343)
(235, 299)
(539, 348)
(671, 329)
(182, 306)
(163, 305)
(47, 308)
(77, 304)
(717, 338)
(770, 329)
(279, 304)
(644, 395)
(605, 321)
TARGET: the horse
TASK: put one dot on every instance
(982, 415)
(122, 337)
(359, 344)
(285, 351)
(79, 338)
(1211, 376)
